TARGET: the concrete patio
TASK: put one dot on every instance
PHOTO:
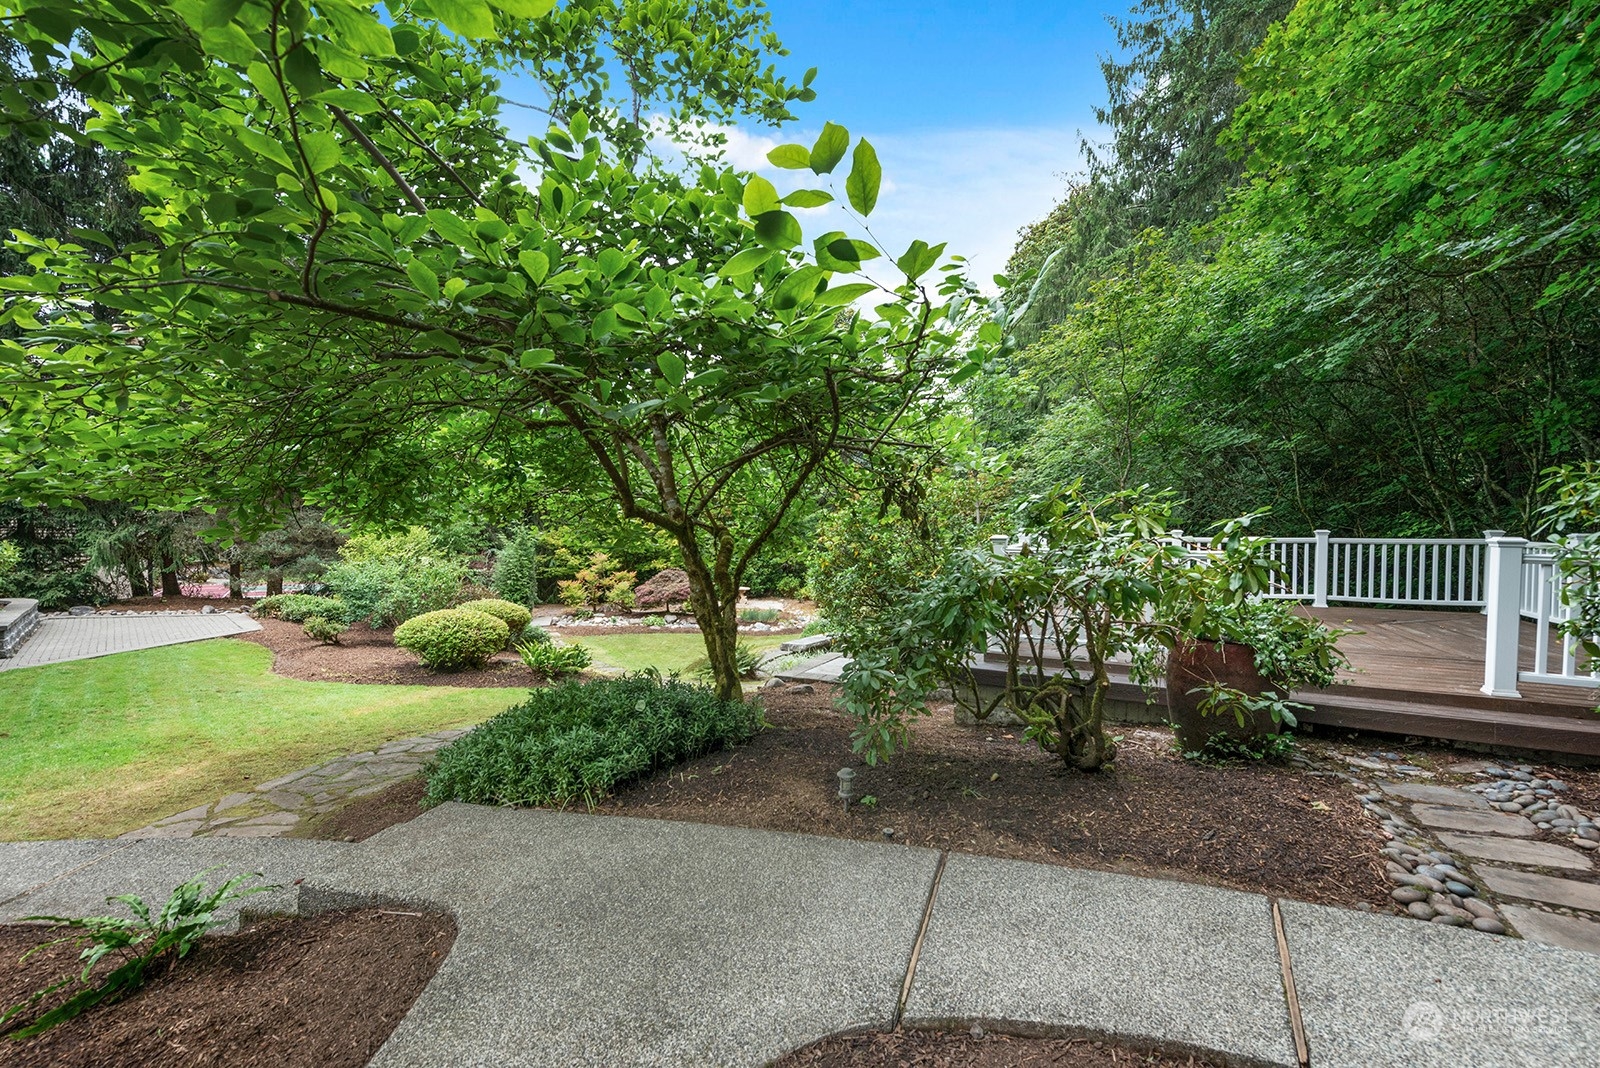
(611, 941)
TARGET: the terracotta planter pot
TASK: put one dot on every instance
(1198, 664)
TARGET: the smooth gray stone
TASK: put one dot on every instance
(1450, 818)
(618, 942)
(1060, 948)
(1545, 888)
(1553, 929)
(1386, 992)
(27, 865)
(1516, 851)
(1434, 795)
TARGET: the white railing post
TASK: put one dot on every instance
(999, 543)
(1488, 536)
(1503, 592)
(1319, 570)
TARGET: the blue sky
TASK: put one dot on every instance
(976, 109)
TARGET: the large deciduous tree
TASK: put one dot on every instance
(360, 286)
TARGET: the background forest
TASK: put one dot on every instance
(1337, 260)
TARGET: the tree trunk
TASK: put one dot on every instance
(717, 617)
(235, 582)
(274, 583)
(137, 586)
(169, 577)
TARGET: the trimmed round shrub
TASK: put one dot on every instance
(580, 740)
(513, 616)
(325, 630)
(453, 638)
(299, 607)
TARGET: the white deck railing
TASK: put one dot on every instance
(1511, 579)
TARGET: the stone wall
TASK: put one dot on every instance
(19, 617)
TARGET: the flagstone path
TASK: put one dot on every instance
(62, 638)
(276, 807)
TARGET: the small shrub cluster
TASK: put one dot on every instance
(579, 741)
(324, 630)
(514, 616)
(654, 621)
(663, 589)
(516, 568)
(299, 607)
(820, 625)
(387, 591)
(758, 615)
(746, 658)
(548, 660)
(602, 582)
(453, 638)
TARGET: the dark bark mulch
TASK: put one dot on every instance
(370, 656)
(961, 1049)
(286, 992)
(366, 816)
(973, 790)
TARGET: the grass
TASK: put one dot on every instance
(665, 652)
(94, 748)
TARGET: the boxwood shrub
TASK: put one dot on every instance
(580, 740)
(453, 638)
(513, 616)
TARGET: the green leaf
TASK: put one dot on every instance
(790, 157)
(260, 144)
(321, 151)
(778, 229)
(808, 198)
(672, 368)
(604, 325)
(525, 9)
(838, 296)
(451, 228)
(829, 149)
(745, 262)
(423, 278)
(760, 197)
(535, 263)
(865, 176)
(836, 252)
(358, 29)
(471, 19)
(798, 288)
(536, 358)
(919, 259)
(352, 100)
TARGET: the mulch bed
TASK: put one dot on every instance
(961, 1049)
(1263, 829)
(366, 816)
(370, 656)
(318, 992)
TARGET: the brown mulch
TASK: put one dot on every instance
(318, 992)
(366, 816)
(367, 655)
(973, 790)
(962, 1049)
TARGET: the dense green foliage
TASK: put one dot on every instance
(388, 591)
(139, 947)
(299, 607)
(1572, 523)
(514, 616)
(516, 568)
(325, 629)
(579, 741)
(566, 310)
(548, 660)
(1341, 266)
(453, 638)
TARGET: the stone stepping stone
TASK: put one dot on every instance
(1434, 795)
(1449, 818)
(1515, 851)
(1568, 932)
(1545, 888)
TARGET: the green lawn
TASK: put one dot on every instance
(668, 651)
(98, 747)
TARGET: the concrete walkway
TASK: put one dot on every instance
(63, 638)
(612, 941)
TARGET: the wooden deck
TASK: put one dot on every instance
(1418, 672)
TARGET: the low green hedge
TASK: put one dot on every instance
(453, 638)
(580, 740)
(299, 607)
(513, 616)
